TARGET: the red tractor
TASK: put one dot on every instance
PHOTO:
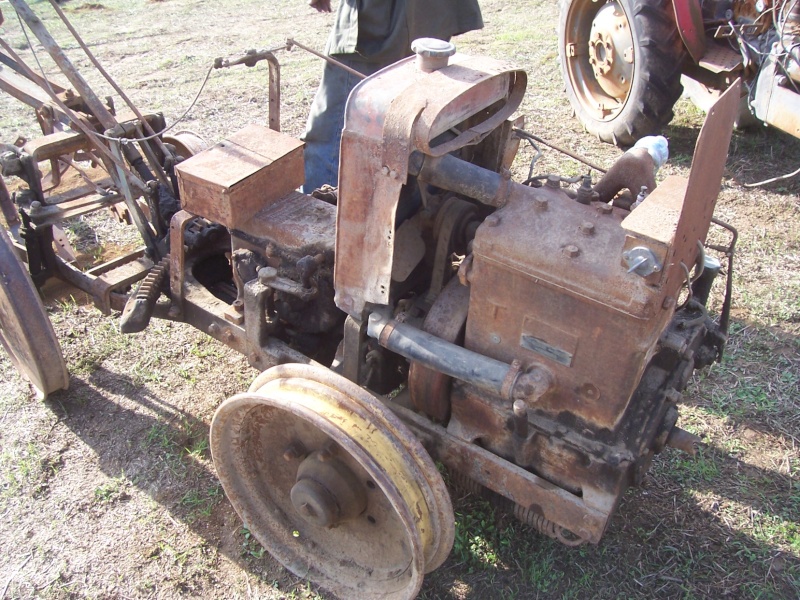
(626, 62)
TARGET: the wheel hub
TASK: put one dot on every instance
(611, 51)
(327, 492)
(601, 53)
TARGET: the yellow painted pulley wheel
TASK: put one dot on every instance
(332, 483)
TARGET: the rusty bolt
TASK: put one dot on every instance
(227, 335)
(587, 228)
(326, 453)
(36, 206)
(384, 170)
(266, 275)
(605, 209)
(213, 329)
(553, 181)
(572, 251)
(294, 451)
(540, 203)
(238, 305)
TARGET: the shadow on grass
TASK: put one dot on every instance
(666, 541)
(163, 451)
(715, 526)
(755, 154)
(756, 386)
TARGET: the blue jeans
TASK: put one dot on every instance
(323, 133)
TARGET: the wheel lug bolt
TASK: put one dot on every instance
(294, 451)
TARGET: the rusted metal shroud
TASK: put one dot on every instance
(388, 116)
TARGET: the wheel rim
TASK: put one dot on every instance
(332, 483)
(25, 329)
(187, 143)
(600, 55)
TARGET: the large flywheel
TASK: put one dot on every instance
(25, 329)
(332, 483)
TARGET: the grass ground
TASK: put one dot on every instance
(107, 490)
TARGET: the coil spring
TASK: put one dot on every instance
(466, 484)
(546, 526)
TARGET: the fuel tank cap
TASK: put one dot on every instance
(432, 54)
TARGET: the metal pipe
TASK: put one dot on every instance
(524, 134)
(459, 176)
(632, 170)
(435, 353)
(250, 59)
(683, 440)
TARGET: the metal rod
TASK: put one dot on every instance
(524, 134)
(64, 64)
(136, 213)
(9, 209)
(113, 83)
(90, 133)
(37, 79)
(290, 42)
(250, 59)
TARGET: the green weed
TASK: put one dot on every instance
(250, 546)
(112, 490)
(201, 503)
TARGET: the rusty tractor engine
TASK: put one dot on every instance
(533, 338)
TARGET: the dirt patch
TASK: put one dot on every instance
(88, 6)
(108, 489)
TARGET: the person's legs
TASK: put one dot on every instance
(325, 122)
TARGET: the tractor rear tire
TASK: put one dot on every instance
(621, 61)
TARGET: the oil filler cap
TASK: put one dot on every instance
(432, 54)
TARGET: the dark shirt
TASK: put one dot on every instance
(381, 31)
